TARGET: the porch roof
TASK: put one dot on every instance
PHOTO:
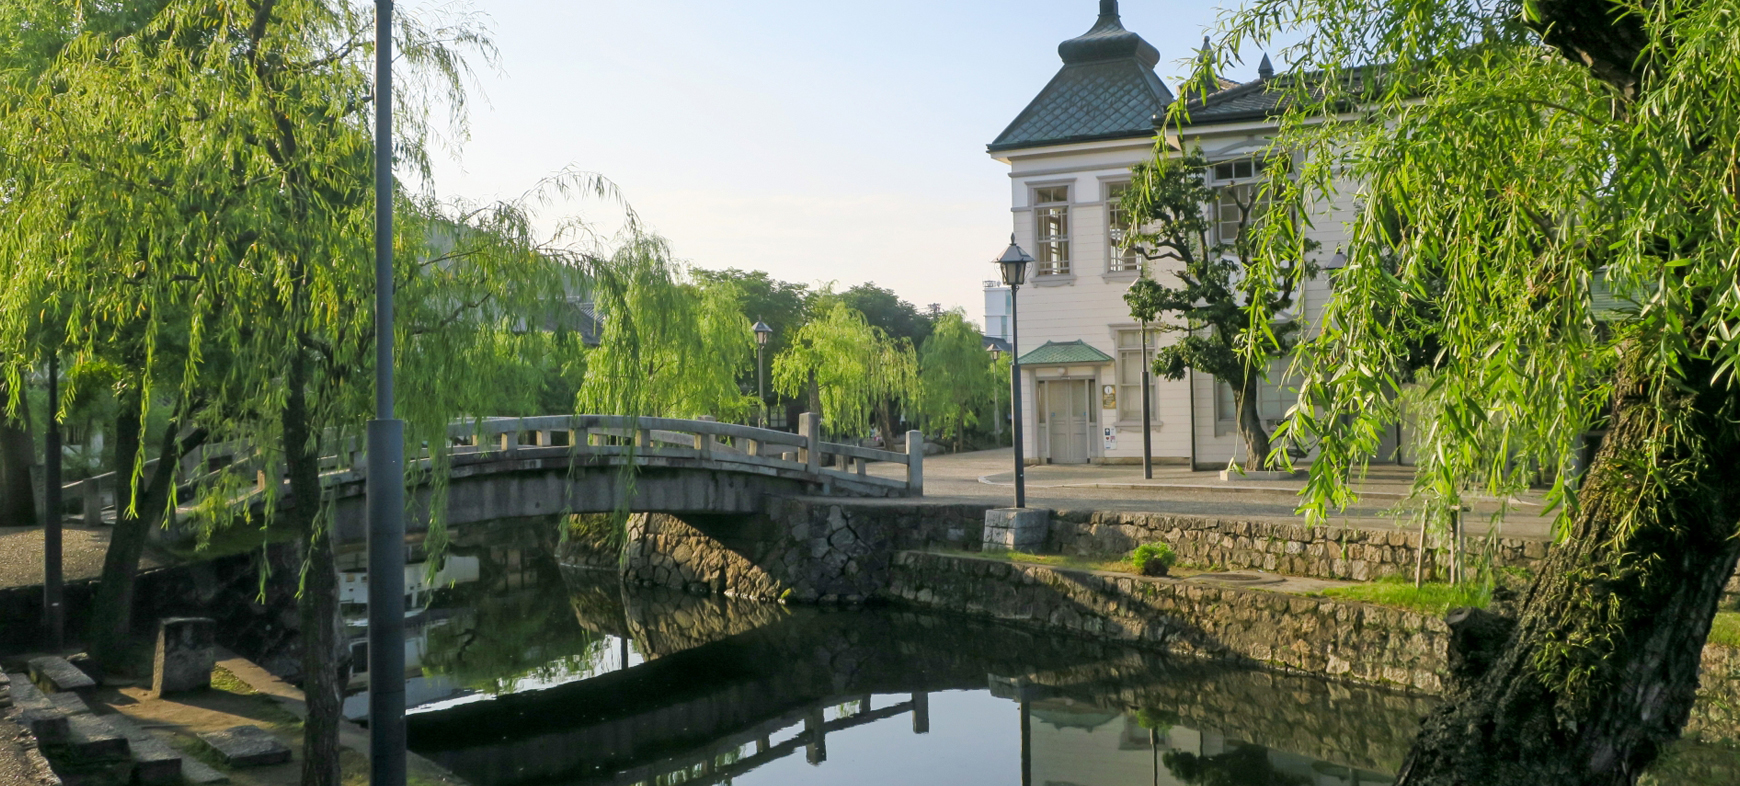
(1063, 353)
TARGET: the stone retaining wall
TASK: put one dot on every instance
(1320, 552)
(804, 550)
(1355, 641)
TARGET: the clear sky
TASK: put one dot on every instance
(819, 141)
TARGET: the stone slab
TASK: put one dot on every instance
(36, 713)
(247, 746)
(185, 655)
(154, 762)
(69, 703)
(199, 773)
(94, 738)
(53, 673)
(1016, 529)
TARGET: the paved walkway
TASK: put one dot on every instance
(988, 476)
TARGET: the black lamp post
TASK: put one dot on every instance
(1014, 264)
(762, 334)
(52, 583)
(386, 444)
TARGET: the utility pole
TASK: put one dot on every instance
(386, 478)
(1147, 414)
(53, 607)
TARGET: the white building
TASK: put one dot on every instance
(1070, 153)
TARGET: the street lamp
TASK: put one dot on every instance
(1014, 264)
(1148, 383)
(386, 443)
(762, 334)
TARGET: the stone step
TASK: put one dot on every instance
(69, 703)
(52, 673)
(199, 773)
(36, 713)
(247, 746)
(93, 738)
(154, 762)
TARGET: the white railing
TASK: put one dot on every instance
(591, 438)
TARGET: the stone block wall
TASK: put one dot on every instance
(802, 549)
(1355, 641)
(1320, 552)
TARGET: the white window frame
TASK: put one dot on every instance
(1128, 261)
(1052, 251)
(1128, 391)
(1243, 185)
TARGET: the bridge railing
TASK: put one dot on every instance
(648, 439)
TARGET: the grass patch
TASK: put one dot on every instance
(1725, 630)
(190, 745)
(225, 680)
(1434, 598)
(1121, 565)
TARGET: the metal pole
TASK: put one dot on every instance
(386, 478)
(54, 613)
(761, 379)
(1015, 396)
(1147, 416)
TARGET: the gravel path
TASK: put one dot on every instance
(82, 550)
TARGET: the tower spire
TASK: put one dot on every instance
(1109, 8)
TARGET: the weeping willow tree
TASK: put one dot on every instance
(191, 203)
(1513, 160)
(956, 378)
(671, 345)
(850, 366)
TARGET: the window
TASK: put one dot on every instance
(1130, 363)
(1239, 200)
(1120, 260)
(1051, 218)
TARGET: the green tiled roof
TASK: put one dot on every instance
(1106, 90)
(1055, 353)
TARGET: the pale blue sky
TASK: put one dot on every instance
(819, 141)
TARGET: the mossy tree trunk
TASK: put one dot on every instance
(1600, 668)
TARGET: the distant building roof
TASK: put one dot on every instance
(1060, 353)
(1107, 89)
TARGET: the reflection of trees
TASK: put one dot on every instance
(1244, 765)
(493, 640)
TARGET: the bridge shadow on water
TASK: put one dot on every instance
(571, 678)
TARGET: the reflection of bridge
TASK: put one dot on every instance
(517, 467)
(730, 685)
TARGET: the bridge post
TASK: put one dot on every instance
(921, 713)
(810, 428)
(915, 463)
(815, 727)
(704, 442)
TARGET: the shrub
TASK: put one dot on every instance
(1153, 559)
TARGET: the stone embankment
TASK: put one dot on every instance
(1354, 642)
(1326, 552)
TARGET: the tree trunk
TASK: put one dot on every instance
(111, 623)
(325, 658)
(1601, 667)
(17, 454)
(1251, 424)
(112, 611)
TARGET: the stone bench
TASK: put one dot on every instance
(93, 738)
(55, 674)
(247, 746)
(154, 762)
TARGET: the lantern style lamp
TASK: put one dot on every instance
(762, 334)
(1013, 265)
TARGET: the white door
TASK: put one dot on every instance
(1066, 406)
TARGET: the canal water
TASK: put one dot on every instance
(527, 673)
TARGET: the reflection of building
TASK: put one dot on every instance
(1078, 744)
(353, 597)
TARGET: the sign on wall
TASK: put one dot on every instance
(1108, 397)
(1111, 438)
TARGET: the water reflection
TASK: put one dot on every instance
(531, 674)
